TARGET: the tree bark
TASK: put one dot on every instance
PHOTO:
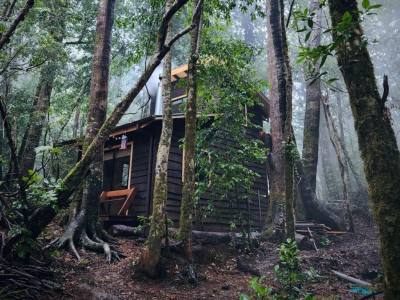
(281, 196)
(313, 99)
(277, 181)
(150, 262)
(376, 139)
(38, 118)
(189, 147)
(289, 137)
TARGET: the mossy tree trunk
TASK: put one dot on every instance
(376, 139)
(189, 147)
(150, 261)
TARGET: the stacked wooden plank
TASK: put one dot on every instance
(304, 227)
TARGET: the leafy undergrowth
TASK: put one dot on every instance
(93, 278)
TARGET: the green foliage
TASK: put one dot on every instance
(144, 223)
(223, 171)
(26, 244)
(288, 271)
(289, 276)
(42, 191)
(260, 291)
(311, 56)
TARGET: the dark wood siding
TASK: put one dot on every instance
(140, 172)
(145, 145)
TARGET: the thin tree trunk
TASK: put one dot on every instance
(326, 152)
(336, 143)
(362, 192)
(13, 150)
(77, 118)
(150, 261)
(376, 139)
(38, 118)
(189, 147)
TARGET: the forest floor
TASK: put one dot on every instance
(355, 254)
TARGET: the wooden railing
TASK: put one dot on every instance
(110, 198)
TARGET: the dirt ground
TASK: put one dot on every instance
(355, 254)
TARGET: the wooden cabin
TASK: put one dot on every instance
(129, 167)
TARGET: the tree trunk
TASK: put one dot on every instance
(313, 99)
(281, 195)
(336, 143)
(329, 167)
(86, 224)
(362, 192)
(376, 139)
(38, 118)
(77, 119)
(289, 137)
(150, 262)
(189, 147)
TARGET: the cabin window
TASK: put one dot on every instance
(117, 168)
(178, 95)
(177, 105)
(125, 175)
(266, 126)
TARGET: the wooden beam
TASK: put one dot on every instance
(118, 193)
(125, 207)
(130, 166)
(179, 70)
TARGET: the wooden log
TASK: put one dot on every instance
(351, 279)
(127, 231)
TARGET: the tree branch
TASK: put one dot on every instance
(189, 28)
(162, 32)
(13, 151)
(5, 38)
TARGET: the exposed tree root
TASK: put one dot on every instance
(100, 246)
(188, 274)
(89, 236)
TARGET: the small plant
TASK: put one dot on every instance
(324, 241)
(289, 276)
(288, 271)
(26, 244)
(259, 289)
(144, 223)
